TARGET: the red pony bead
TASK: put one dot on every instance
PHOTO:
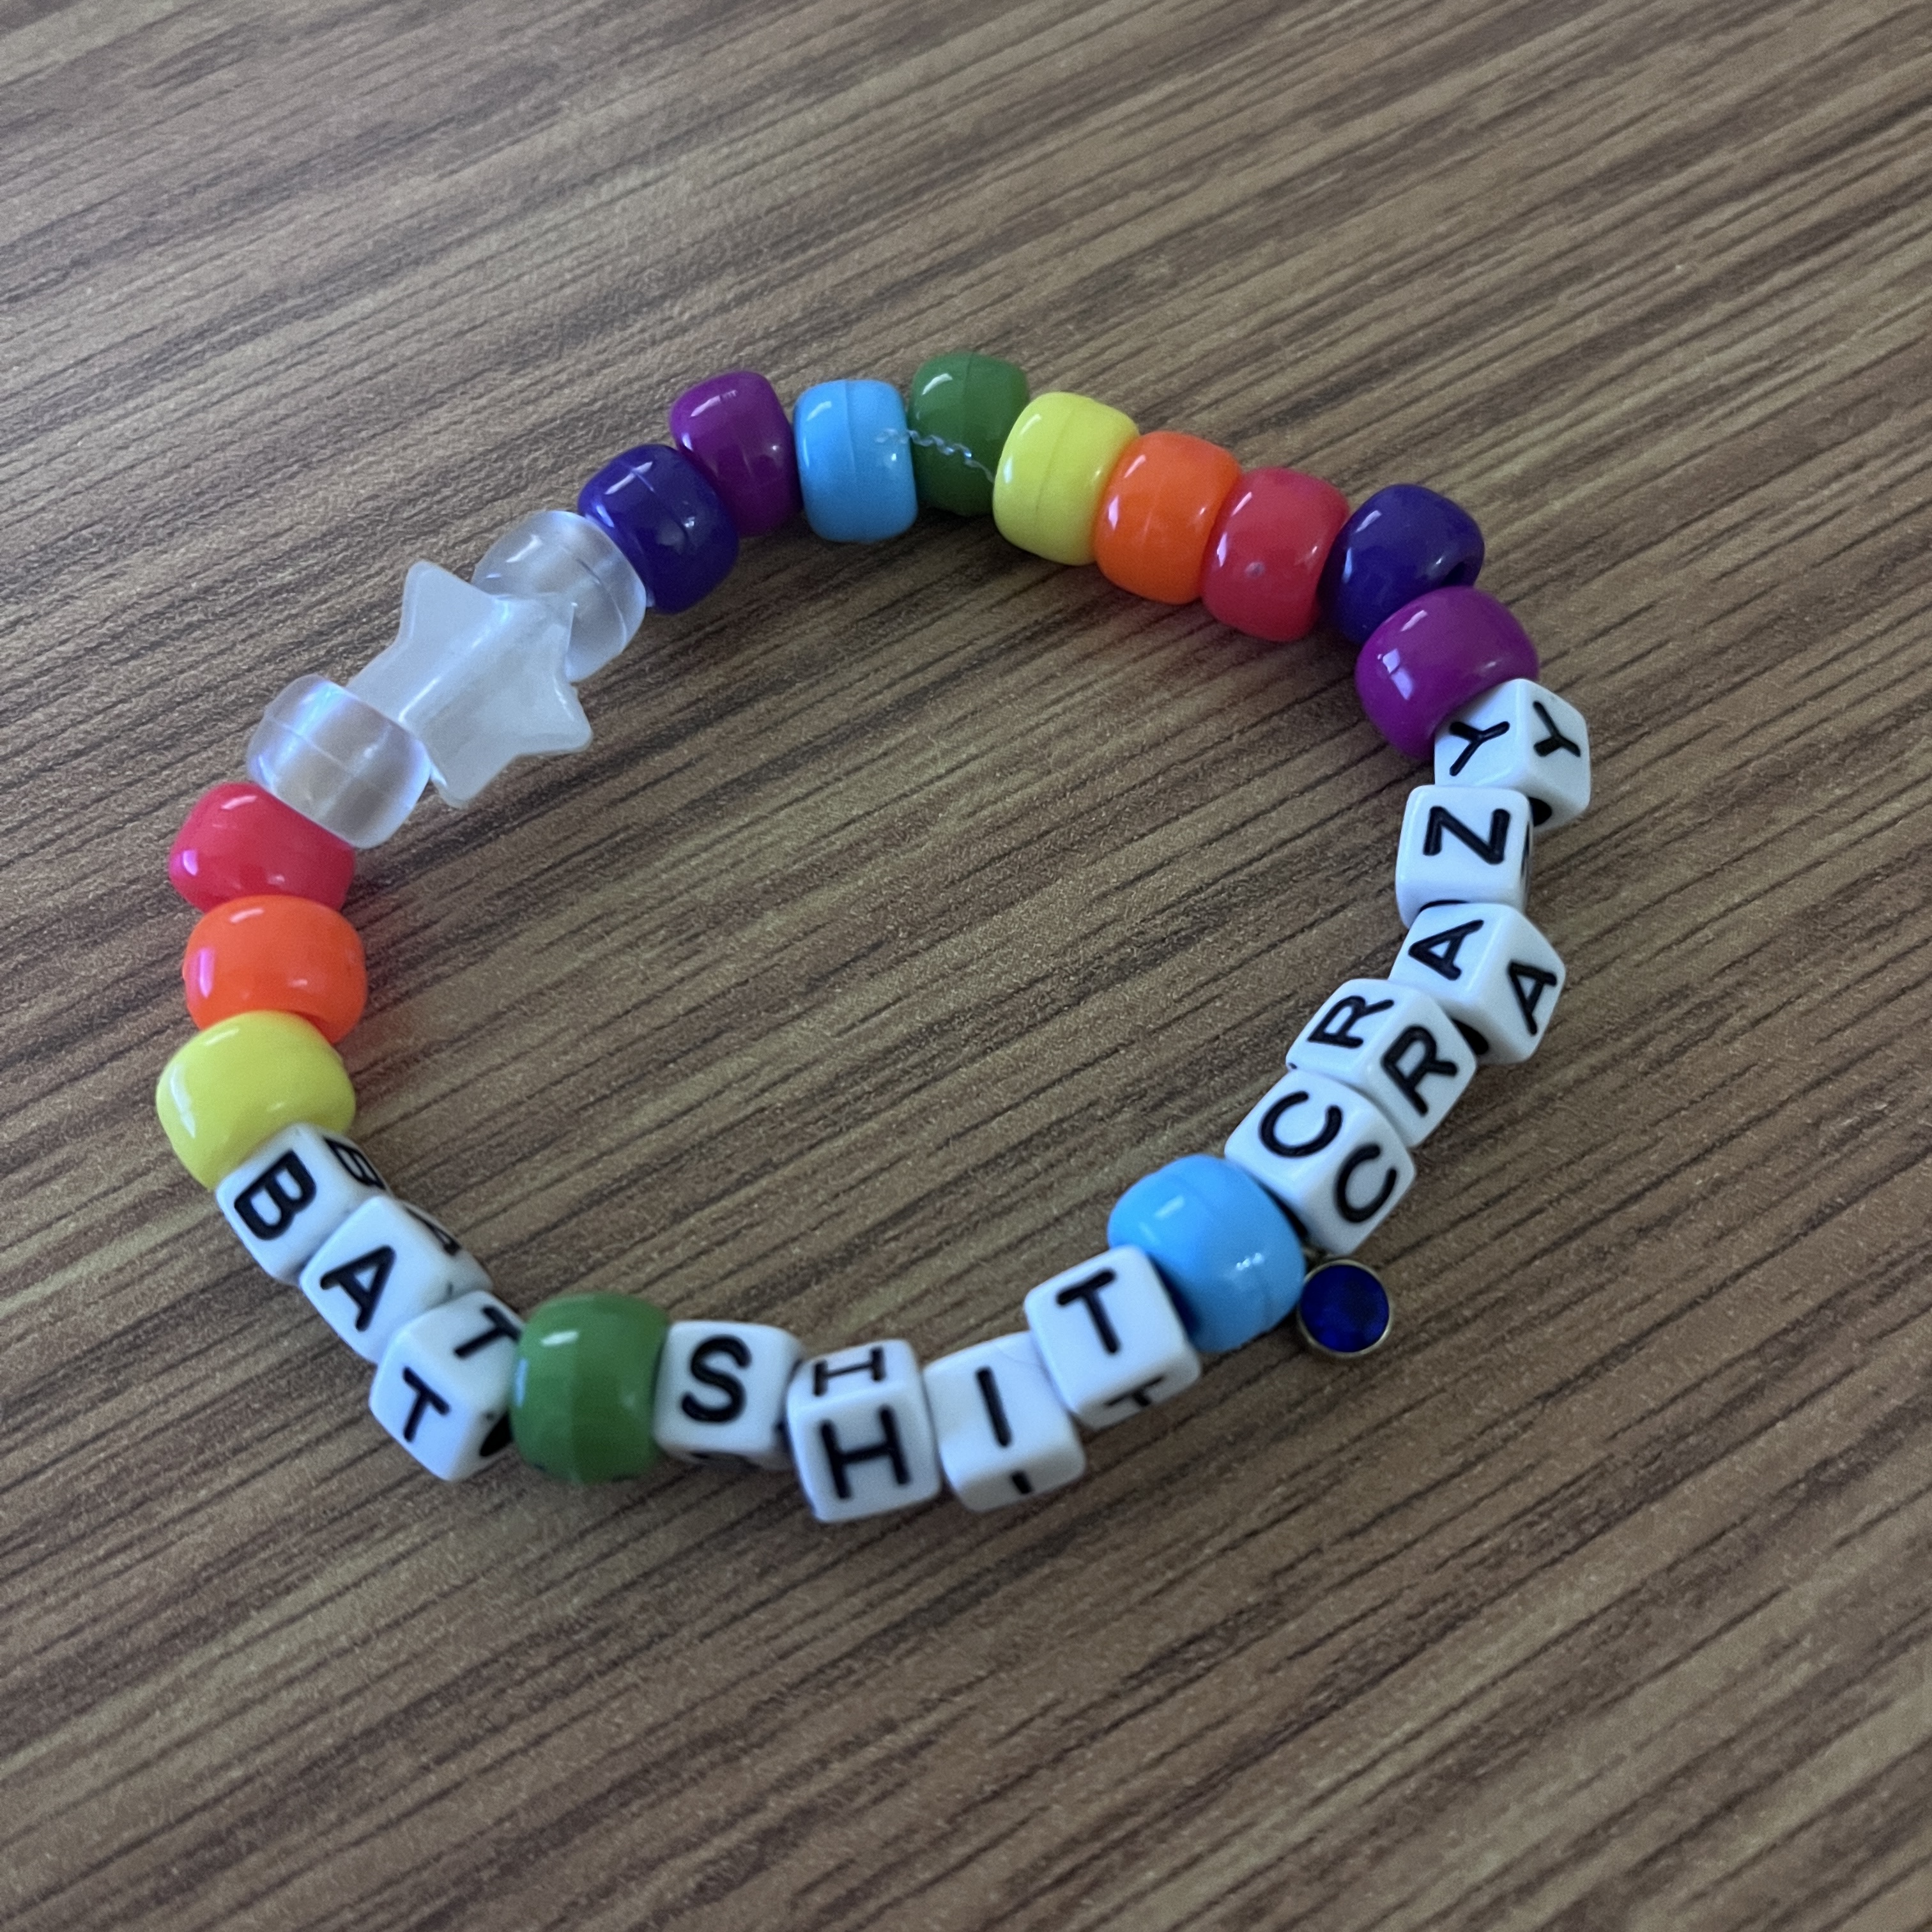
(275, 953)
(239, 840)
(1265, 559)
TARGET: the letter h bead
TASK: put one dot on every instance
(861, 1432)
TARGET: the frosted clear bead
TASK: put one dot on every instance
(478, 679)
(556, 553)
(334, 757)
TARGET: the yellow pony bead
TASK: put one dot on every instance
(1053, 470)
(226, 1091)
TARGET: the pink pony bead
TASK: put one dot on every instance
(1422, 664)
(240, 841)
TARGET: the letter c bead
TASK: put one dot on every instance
(273, 953)
(227, 1090)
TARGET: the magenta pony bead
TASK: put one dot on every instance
(735, 429)
(1426, 660)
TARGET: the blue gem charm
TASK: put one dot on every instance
(1344, 1310)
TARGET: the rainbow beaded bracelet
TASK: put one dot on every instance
(1203, 1254)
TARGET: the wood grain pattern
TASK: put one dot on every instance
(914, 899)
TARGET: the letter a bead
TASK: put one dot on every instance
(861, 1432)
(1003, 1435)
(386, 1264)
(721, 1394)
(1490, 970)
(442, 1387)
(1111, 1340)
(228, 1089)
(292, 1192)
(580, 1398)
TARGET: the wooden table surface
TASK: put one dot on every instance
(914, 899)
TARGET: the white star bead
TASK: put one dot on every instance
(479, 679)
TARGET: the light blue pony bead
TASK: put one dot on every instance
(1225, 1251)
(855, 461)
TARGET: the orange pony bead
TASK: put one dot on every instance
(279, 954)
(1158, 512)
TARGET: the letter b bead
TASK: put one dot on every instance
(292, 1192)
(861, 1432)
(721, 1393)
(442, 1388)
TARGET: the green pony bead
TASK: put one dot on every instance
(958, 412)
(580, 1394)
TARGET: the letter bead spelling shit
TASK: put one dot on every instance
(1205, 1254)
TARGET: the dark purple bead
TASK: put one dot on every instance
(1403, 540)
(735, 429)
(656, 505)
(1443, 651)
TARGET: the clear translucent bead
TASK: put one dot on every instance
(334, 758)
(479, 678)
(556, 553)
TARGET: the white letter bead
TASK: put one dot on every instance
(1525, 738)
(1328, 1155)
(292, 1192)
(1463, 842)
(1490, 970)
(1392, 1044)
(720, 1393)
(1109, 1336)
(1003, 1435)
(385, 1265)
(442, 1387)
(861, 1433)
